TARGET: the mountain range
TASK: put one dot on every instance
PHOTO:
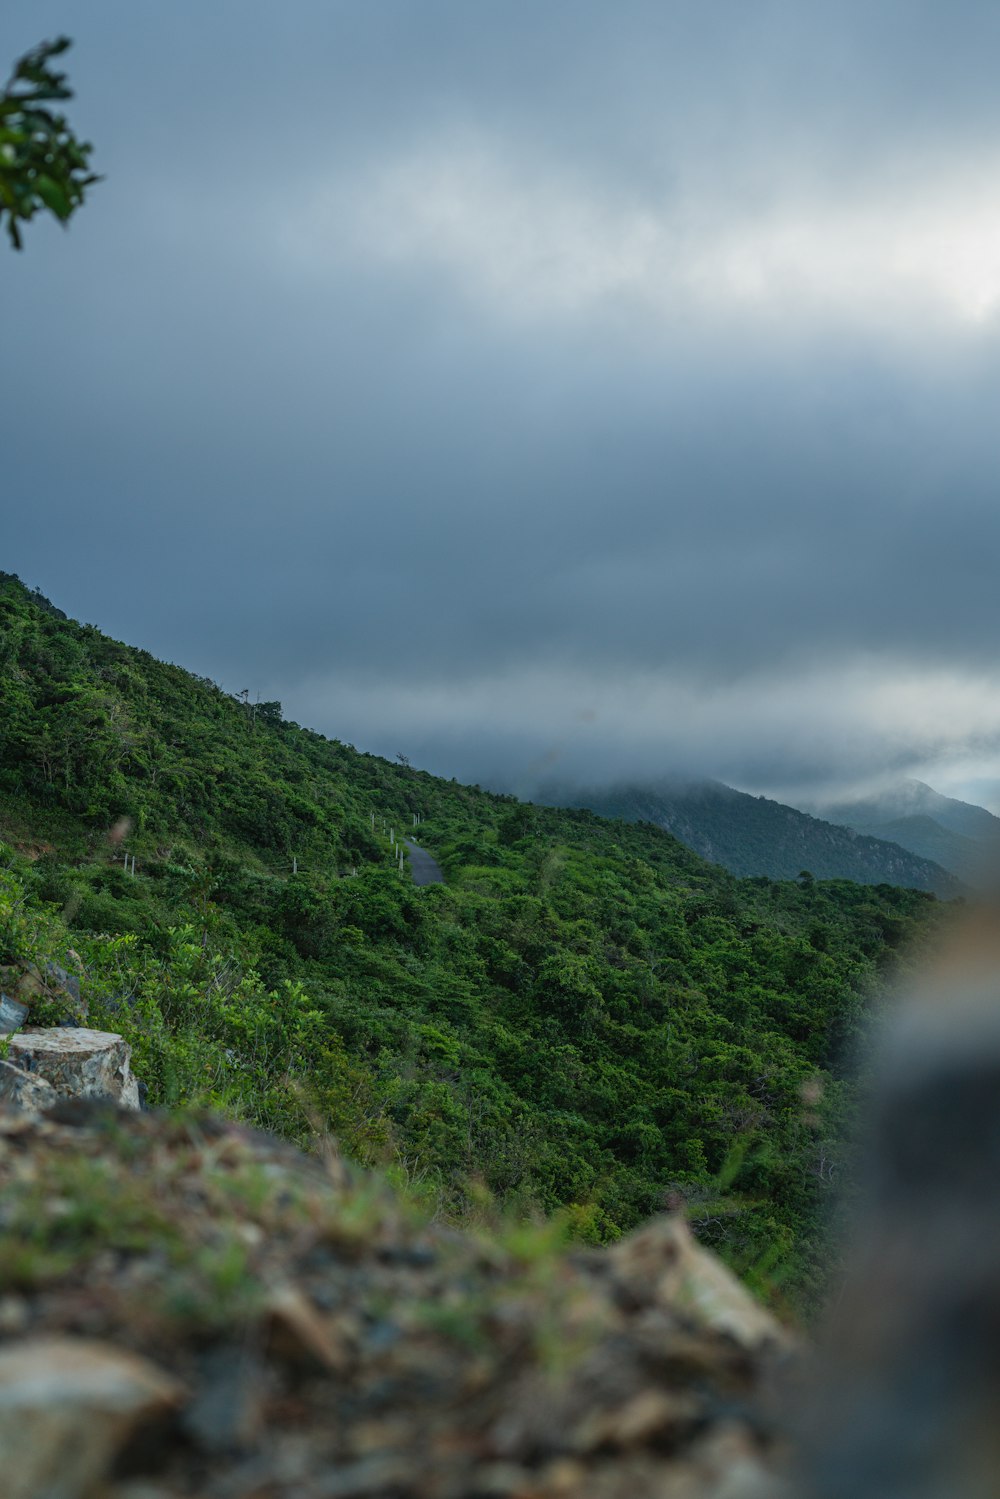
(752, 835)
(963, 838)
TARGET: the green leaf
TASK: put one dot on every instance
(53, 196)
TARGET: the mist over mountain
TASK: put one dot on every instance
(752, 835)
(959, 835)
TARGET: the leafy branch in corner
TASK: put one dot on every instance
(42, 164)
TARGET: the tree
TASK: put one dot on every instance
(42, 163)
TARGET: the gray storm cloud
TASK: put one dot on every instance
(609, 386)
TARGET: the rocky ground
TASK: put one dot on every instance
(190, 1309)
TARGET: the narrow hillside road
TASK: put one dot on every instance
(426, 871)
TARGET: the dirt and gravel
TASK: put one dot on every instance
(276, 1325)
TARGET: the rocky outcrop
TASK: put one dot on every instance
(312, 1337)
(75, 1062)
(61, 1058)
(26, 1094)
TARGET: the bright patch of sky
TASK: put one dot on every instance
(534, 241)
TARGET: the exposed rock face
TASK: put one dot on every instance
(78, 1062)
(67, 1408)
(13, 1013)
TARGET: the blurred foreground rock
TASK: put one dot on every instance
(663, 1260)
(311, 1336)
(908, 1388)
(68, 1408)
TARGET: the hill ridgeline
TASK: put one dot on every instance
(751, 835)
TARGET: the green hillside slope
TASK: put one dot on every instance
(586, 1014)
(923, 835)
(752, 835)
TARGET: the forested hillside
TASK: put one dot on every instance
(751, 835)
(585, 1015)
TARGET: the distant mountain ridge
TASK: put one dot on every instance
(961, 836)
(751, 835)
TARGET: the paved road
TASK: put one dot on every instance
(426, 871)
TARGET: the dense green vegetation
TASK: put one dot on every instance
(751, 835)
(586, 1014)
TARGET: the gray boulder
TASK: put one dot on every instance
(77, 1062)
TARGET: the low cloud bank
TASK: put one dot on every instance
(831, 727)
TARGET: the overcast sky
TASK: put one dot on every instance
(534, 387)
